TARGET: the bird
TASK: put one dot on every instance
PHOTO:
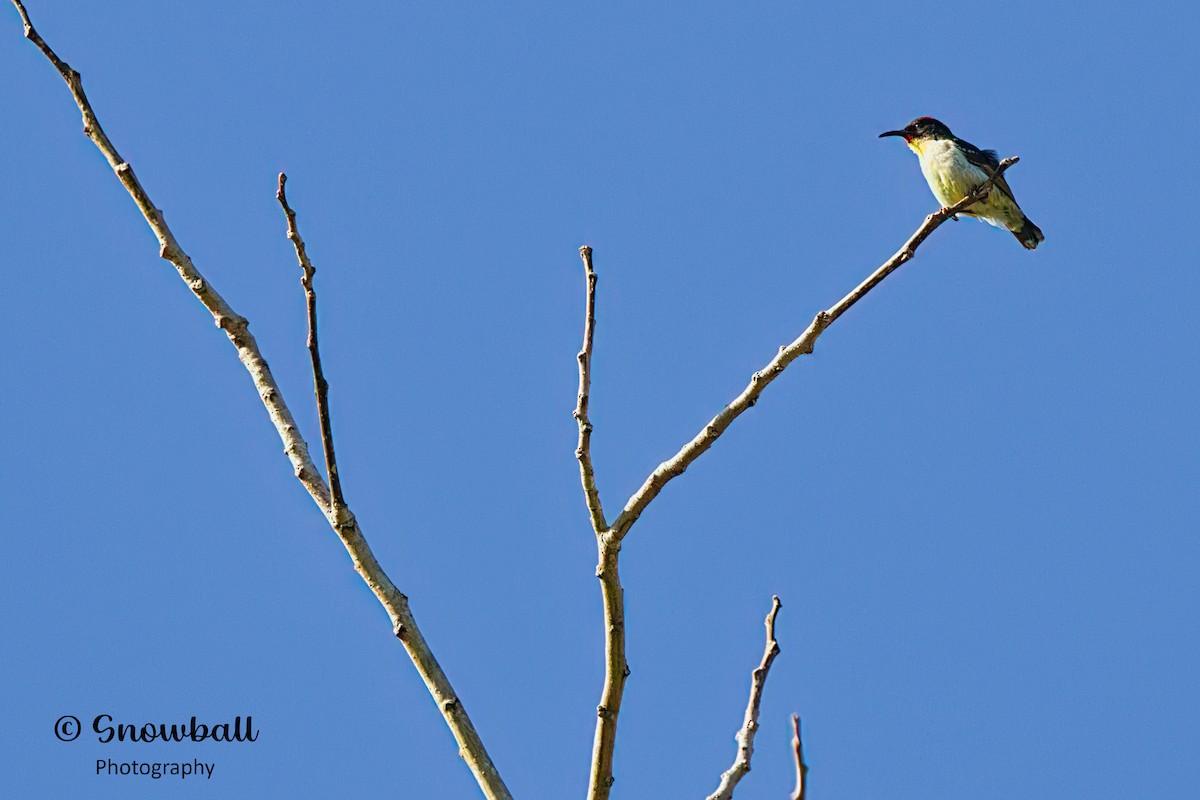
(954, 168)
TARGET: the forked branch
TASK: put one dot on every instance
(609, 537)
(745, 736)
(339, 517)
(235, 326)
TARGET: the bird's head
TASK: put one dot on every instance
(921, 129)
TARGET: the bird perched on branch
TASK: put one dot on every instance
(954, 168)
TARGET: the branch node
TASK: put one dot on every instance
(232, 323)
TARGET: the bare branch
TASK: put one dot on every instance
(745, 736)
(801, 768)
(616, 669)
(909, 250)
(320, 385)
(235, 326)
(676, 465)
(343, 522)
(584, 451)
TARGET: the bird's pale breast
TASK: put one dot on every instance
(951, 177)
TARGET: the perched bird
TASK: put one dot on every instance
(954, 168)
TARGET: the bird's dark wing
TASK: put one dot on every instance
(980, 158)
(988, 161)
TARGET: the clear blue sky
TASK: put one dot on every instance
(977, 500)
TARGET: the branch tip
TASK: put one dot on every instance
(745, 735)
(801, 789)
(583, 451)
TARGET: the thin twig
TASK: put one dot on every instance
(320, 385)
(798, 754)
(584, 451)
(745, 736)
(676, 465)
(343, 522)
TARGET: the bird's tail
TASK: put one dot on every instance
(1029, 235)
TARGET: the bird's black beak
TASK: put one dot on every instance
(891, 133)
